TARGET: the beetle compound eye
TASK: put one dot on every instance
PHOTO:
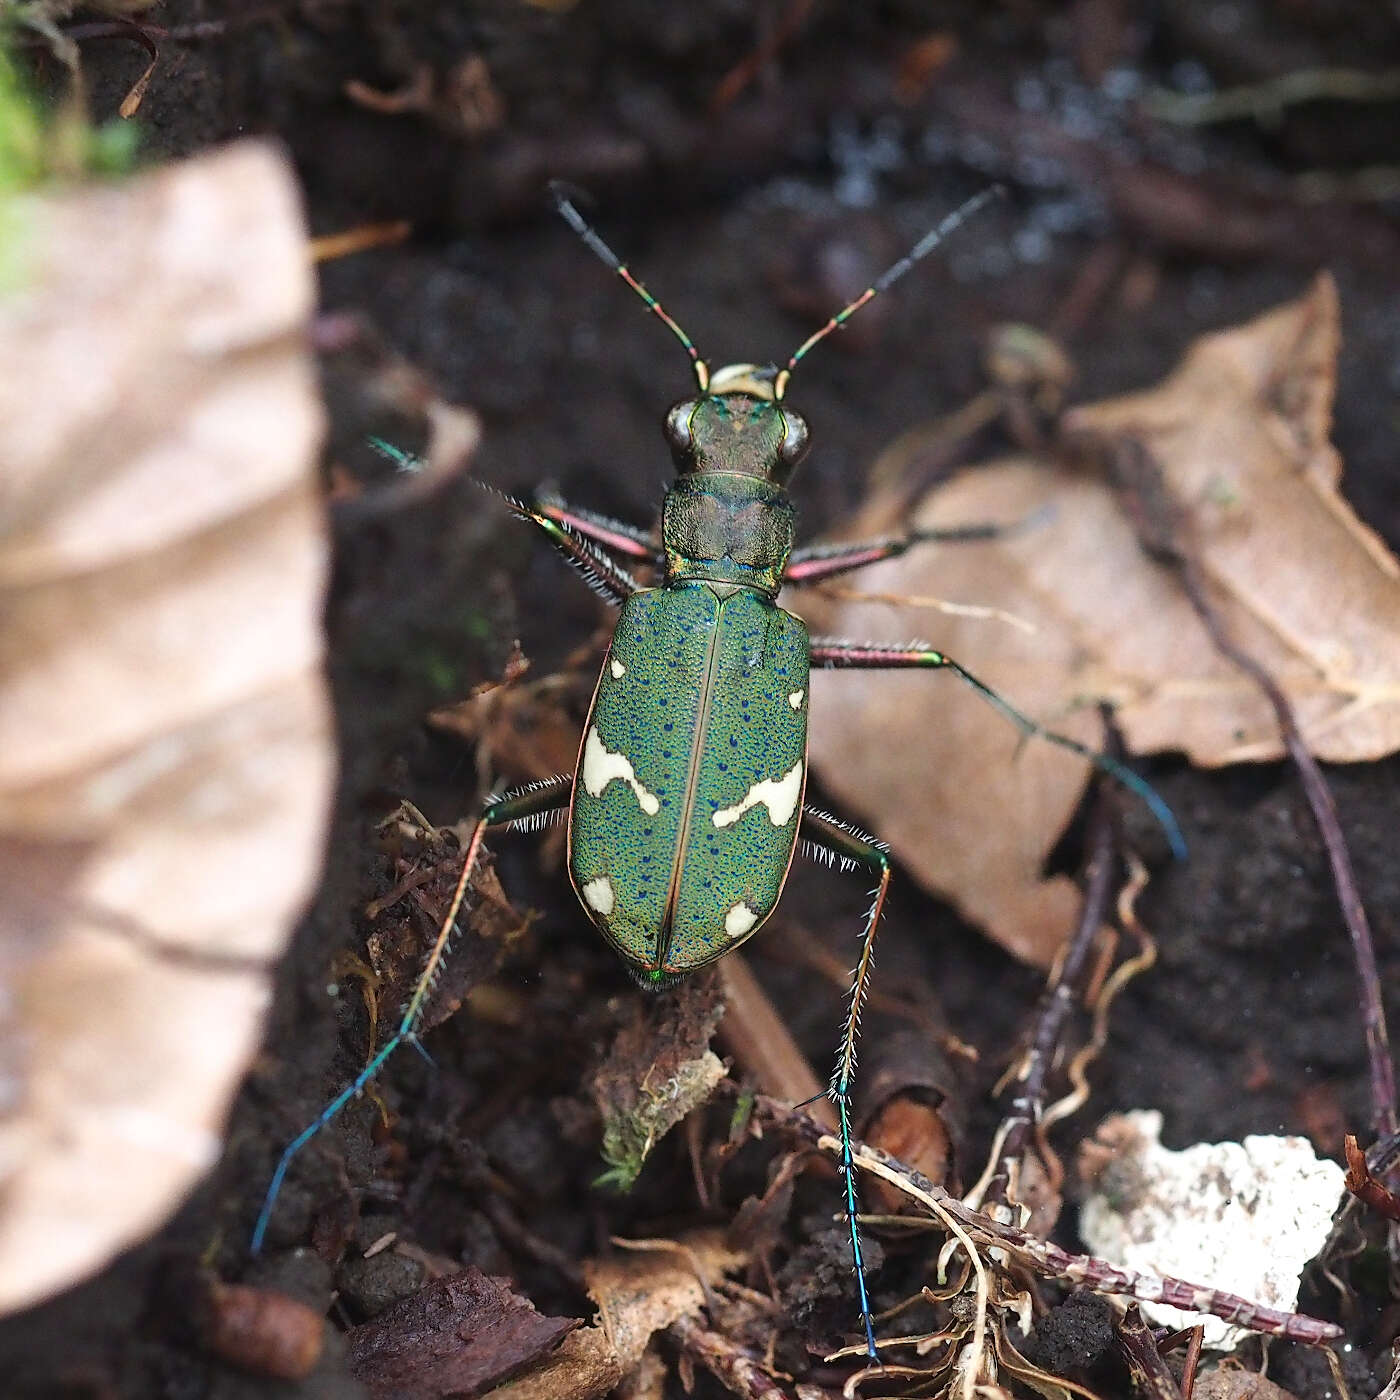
(796, 439)
(677, 430)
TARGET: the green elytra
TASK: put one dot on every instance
(686, 806)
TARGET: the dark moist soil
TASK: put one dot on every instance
(752, 219)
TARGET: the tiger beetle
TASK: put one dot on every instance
(686, 806)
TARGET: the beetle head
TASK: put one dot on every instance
(738, 425)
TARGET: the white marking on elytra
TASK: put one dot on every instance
(617, 668)
(795, 699)
(779, 795)
(598, 895)
(600, 767)
(739, 920)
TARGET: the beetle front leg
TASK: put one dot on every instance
(829, 838)
(610, 581)
(526, 807)
(838, 655)
(602, 530)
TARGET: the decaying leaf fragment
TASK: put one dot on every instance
(456, 1336)
(658, 1069)
(639, 1292)
(165, 753)
(1239, 432)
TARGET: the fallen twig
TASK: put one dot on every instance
(1160, 523)
(1364, 1186)
(1056, 1003)
(1151, 1378)
(737, 1371)
(1267, 101)
(1050, 1260)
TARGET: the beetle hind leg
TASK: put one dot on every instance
(836, 842)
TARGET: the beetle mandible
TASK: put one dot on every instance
(686, 805)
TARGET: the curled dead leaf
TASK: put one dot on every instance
(1240, 433)
(639, 1293)
(165, 753)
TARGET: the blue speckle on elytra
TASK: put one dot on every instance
(723, 768)
(668, 726)
(733, 742)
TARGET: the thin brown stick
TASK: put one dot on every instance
(1151, 1378)
(738, 1372)
(1192, 1361)
(762, 1046)
(1160, 523)
(1057, 1002)
(1049, 1260)
(1324, 810)
(1364, 1186)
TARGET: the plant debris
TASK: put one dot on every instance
(1240, 431)
(659, 1068)
(1246, 1215)
(457, 1336)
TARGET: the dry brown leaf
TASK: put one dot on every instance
(165, 755)
(1240, 432)
(1230, 1383)
(454, 1338)
(638, 1293)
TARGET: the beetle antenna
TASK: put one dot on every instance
(558, 192)
(889, 277)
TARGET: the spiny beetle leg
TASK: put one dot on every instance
(850, 655)
(815, 562)
(829, 838)
(602, 530)
(525, 805)
(608, 580)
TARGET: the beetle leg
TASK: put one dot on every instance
(844, 844)
(815, 562)
(525, 806)
(603, 530)
(608, 580)
(872, 656)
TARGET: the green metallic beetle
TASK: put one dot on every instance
(685, 809)
(683, 821)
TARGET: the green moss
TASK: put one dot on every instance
(39, 146)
